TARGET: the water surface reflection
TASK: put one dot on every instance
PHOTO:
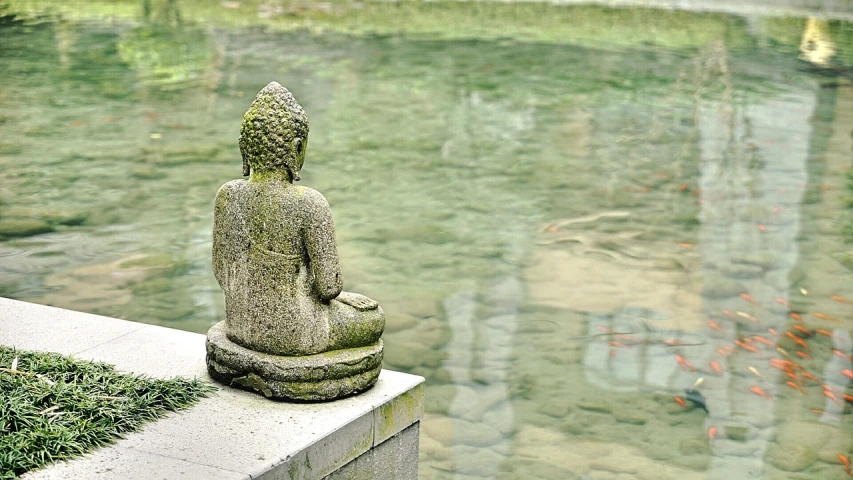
(568, 228)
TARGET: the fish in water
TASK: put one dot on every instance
(696, 397)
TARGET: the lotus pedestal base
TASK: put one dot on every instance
(311, 378)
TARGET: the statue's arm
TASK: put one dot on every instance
(321, 246)
(220, 260)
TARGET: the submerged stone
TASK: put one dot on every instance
(791, 457)
(23, 227)
(289, 331)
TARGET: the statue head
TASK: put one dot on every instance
(274, 133)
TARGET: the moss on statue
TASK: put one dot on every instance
(289, 330)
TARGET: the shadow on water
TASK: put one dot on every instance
(618, 250)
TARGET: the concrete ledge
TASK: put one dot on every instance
(233, 434)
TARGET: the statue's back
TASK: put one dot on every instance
(267, 280)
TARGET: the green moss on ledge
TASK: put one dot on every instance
(56, 408)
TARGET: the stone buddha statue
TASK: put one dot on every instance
(289, 330)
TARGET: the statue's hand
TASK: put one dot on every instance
(357, 301)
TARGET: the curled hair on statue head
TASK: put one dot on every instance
(272, 129)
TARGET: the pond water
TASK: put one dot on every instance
(618, 243)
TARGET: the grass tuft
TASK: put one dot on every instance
(55, 408)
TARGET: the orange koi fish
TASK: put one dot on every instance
(829, 388)
(824, 332)
(781, 301)
(614, 343)
(824, 316)
(839, 353)
(759, 338)
(848, 373)
(786, 364)
(794, 386)
(680, 401)
(773, 332)
(778, 365)
(804, 355)
(799, 341)
(831, 396)
(728, 314)
(805, 331)
(748, 298)
(841, 299)
(746, 347)
(821, 412)
(842, 459)
(715, 365)
(671, 342)
(684, 362)
(712, 432)
(723, 352)
(796, 316)
(810, 376)
(713, 325)
(612, 352)
(760, 392)
(604, 329)
(848, 398)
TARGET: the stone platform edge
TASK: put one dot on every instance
(231, 435)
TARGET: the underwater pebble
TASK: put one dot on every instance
(791, 457)
(554, 408)
(23, 227)
(597, 406)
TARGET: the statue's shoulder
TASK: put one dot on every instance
(227, 189)
(311, 197)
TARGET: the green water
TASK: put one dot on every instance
(545, 200)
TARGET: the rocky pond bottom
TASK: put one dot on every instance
(608, 238)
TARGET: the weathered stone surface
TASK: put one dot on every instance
(289, 330)
(323, 376)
